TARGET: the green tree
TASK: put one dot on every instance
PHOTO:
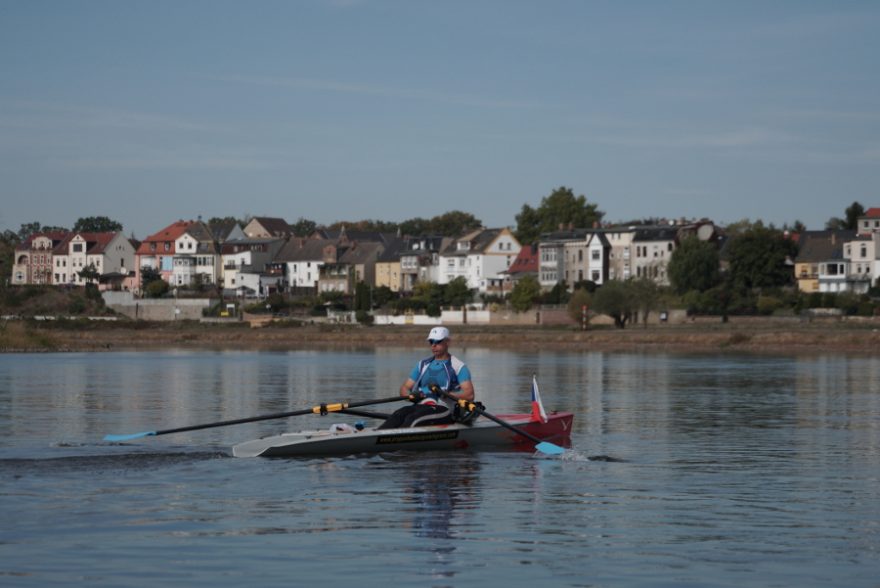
(303, 227)
(852, 214)
(457, 293)
(415, 227)
(89, 273)
(580, 298)
(28, 229)
(429, 295)
(156, 288)
(148, 275)
(645, 297)
(454, 223)
(616, 299)
(760, 257)
(561, 207)
(96, 224)
(694, 266)
(524, 294)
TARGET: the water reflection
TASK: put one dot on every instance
(440, 493)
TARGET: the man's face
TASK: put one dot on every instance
(439, 347)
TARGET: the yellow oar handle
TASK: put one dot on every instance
(323, 409)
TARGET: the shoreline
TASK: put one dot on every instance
(748, 336)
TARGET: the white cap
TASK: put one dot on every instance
(438, 334)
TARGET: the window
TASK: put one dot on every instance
(167, 246)
(595, 275)
(77, 247)
(595, 255)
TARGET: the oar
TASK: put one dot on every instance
(321, 409)
(542, 446)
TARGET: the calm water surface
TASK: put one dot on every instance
(739, 471)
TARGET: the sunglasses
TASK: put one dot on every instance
(436, 341)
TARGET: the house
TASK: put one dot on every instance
(245, 260)
(388, 268)
(563, 256)
(302, 260)
(107, 253)
(33, 258)
(355, 262)
(196, 257)
(265, 227)
(480, 257)
(651, 250)
(820, 248)
(156, 252)
(420, 260)
(869, 222)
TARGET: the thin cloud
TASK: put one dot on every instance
(315, 85)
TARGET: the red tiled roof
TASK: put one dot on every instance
(873, 213)
(168, 234)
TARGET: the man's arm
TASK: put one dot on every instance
(406, 387)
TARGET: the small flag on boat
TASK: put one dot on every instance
(538, 413)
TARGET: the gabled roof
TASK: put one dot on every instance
(168, 234)
(55, 236)
(96, 243)
(479, 240)
(392, 251)
(221, 229)
(816, 246)
(526, 261)
(425, 243)
(872, 213)
(361, 253)
(299, 250)
(274, 225)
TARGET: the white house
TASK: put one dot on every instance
(196, 256)
(480, 257)
(108, 253)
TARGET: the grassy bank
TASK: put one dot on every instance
(754, 335)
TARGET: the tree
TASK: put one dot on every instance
(415, 226)
(580, 299)
(28, 229)
(303, 227)
(645, 296)
(457, 293)
(760, 258)
(89, 273)
(454, 223)
(561, 207)
(852, 214)
(694, 266)
(96, 224)
(148, 275)
(524, 294)
(616, 299)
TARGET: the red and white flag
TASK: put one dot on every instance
(538, 413)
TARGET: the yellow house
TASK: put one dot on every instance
(388, 268)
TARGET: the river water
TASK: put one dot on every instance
(727, 470)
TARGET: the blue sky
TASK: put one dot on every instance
(148, 112)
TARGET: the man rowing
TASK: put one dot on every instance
(441, 370)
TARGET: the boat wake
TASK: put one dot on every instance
(134, 461)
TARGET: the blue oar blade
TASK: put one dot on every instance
(549, 448)
(128, 437)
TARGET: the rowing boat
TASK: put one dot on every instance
(482, 434)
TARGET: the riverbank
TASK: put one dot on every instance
(753, 335)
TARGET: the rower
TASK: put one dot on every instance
(441, 370)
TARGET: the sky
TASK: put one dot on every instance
(343, 110)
